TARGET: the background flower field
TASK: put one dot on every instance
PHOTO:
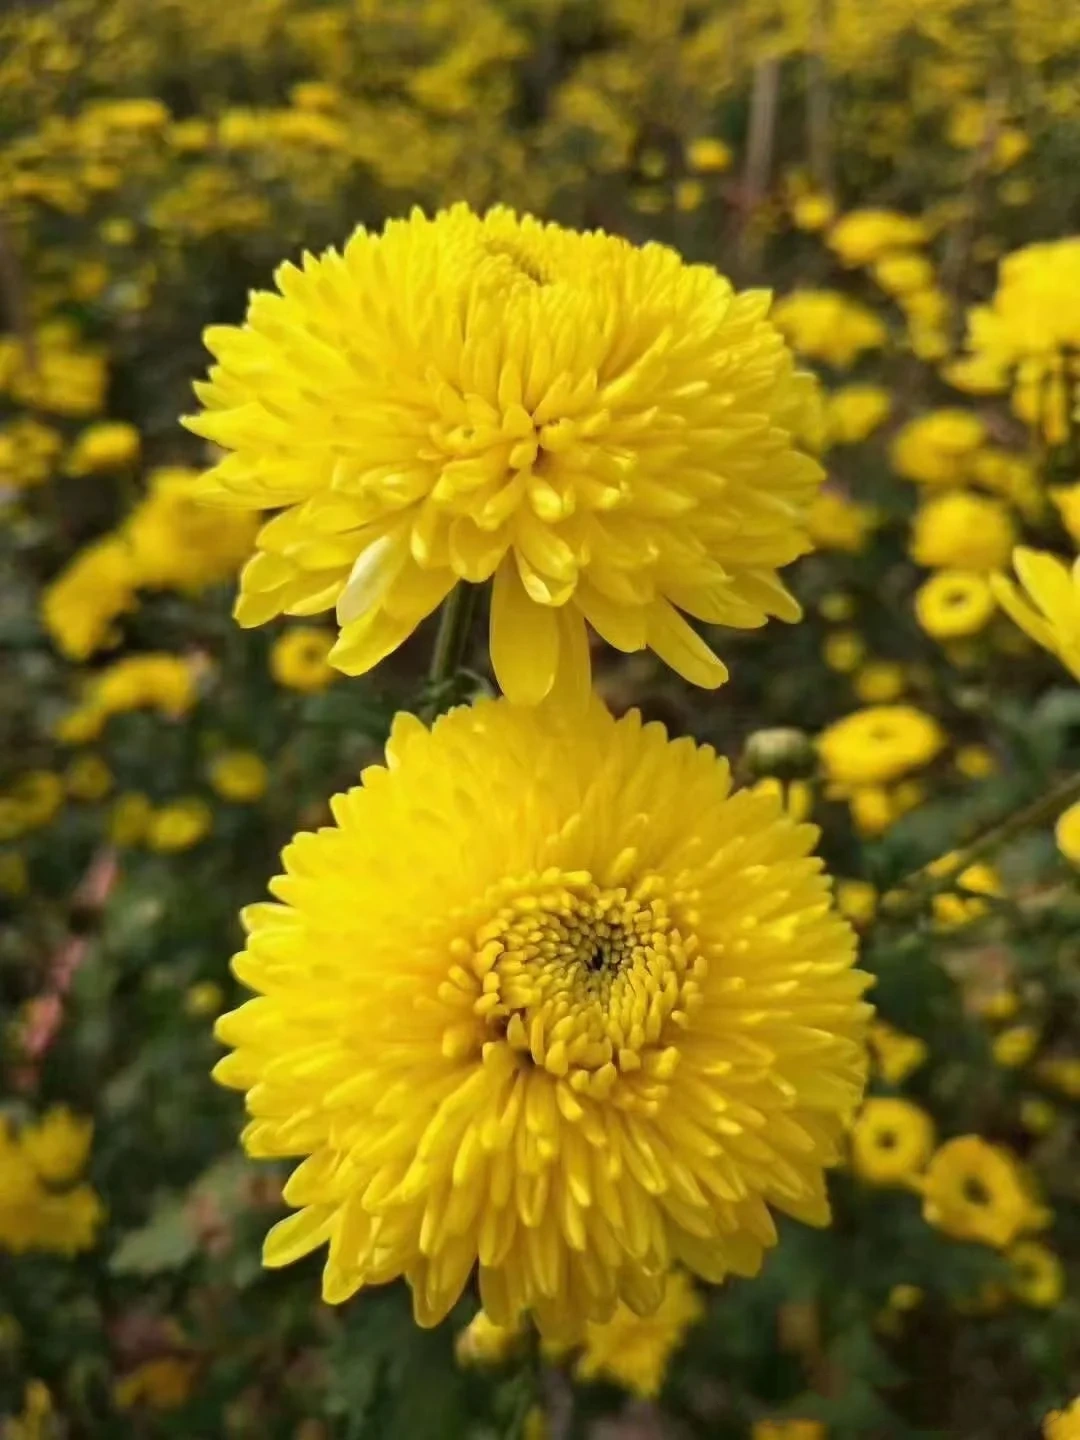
(899, 176)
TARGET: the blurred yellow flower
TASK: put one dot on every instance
(239, 775)
(532, 1072)
(896, 1055)
(634, 1350)
(903, 271)
(1038, 1278)
(88, 778)
(854, 412)
(1037, 1115)
(161, 1384)
(878, 681)
(34, 1213)
(106, 445)
(1063, 1424)
(975, 762)
(862, 236)
(179, 825)
(708, 155)
(129, 819)
(857, 899)
(843, 651)
(973, 1190)
(961, 904)
(1015, 1046)
(1027, 336)
(1067, 833)
(299, 660)
(788, 1430)
(28, 453)
(176, 542)
(58, 1144)
(154, 680)
(879, 744)
(517, 426)
(836, 523)
(203, 999)
(81, 605)
(1048, 609)
(938, 447)
(827, 325)
(35, 1421)
(891, 1141)
(813, 212)
(962, 531)
(954, 603)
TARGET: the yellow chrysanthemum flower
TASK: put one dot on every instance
(80, 606)
(633, 1350)
(1063, 1424)
(960, 530)
(527, 1011)
(1038, 1276)
(896, 1055)
(1049, 610)
(239, 775)
(1067, 833)
(973, 1190)
(828, 325)
(106, 445)
(179, 825)
(601, 429)
(862, 236)
(877, 745)
(939, 447)
(1015, 1046)
(299, 659)
(854, 412)
(891, 1141)
(954, 603)
(835, 522)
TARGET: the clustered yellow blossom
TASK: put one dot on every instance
(43, 1206)
(594, 1033)
(156, 680)
(1026, 339)
(168, 542)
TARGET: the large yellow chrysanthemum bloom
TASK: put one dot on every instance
(550, 1002)
(1048, 609)
(601, 428)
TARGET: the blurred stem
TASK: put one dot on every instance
(759, 153)
(988, 841)
(818, 105)
(451, 641)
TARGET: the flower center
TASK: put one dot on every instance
(587, 982)
(974, 1191)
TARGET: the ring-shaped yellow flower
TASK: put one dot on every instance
(547, 1002)
(954, 603)
(600, 428)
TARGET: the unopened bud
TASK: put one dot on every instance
(783, 752)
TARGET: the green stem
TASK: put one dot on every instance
(1057, 799)
(451, 641)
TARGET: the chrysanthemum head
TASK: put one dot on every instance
(551, 1005)
(603, 430)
